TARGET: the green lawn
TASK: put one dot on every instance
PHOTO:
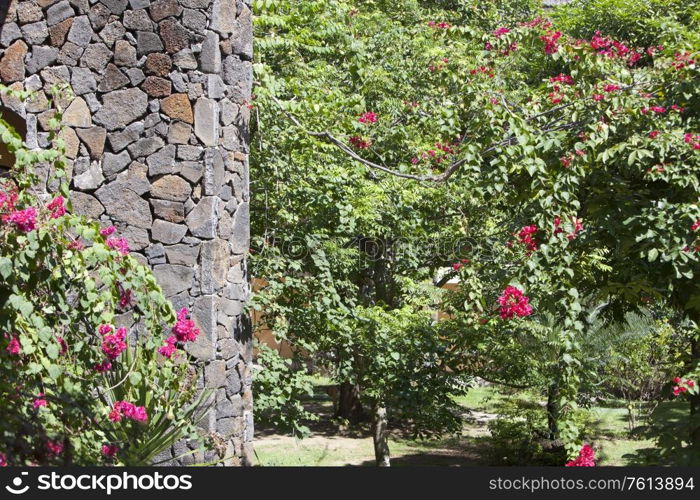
(333, 445)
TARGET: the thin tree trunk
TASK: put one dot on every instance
(380, 436)
(553, 411)
(349, 405)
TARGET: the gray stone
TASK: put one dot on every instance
(145, 146)
(9, 33)
(184, 60)
(185, 255)
(112, 164)
(114, 114)
(139, 4)
(147, 42)
(215, 374)
(160, 9)
(113, 79)
(221, 18)
(233, 383)
(136, 236)
(194, 20)
(137, 20)
(243, 40)
(125, 206)
(82, 81)
(116, 7)
(96, 57)
(70, 54)
(90, 179)
(214, 265)
(163, 161)
(59, 12)
(192, 170)
(136, 178)
(35, 33)
(228, 348)
(155, 254)
(135, 75)
(173, 279)
(241, 229)
(196, 4)
(229, 111)
(94, 139)
(168, 232)
(112, 32)
(124, 54)
(80, 32)
(238, 74)
(28, 12)
(216, 88)
(120, 140)
(178, 81)
(179, 133)
(213, 172)
(190, 153)
(171, 187)
(202, 220)
(99, 15)
(210, 56)
(87, 205)
(41, 57)
(206, 121)
(171, 211)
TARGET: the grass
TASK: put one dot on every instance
(331, 444)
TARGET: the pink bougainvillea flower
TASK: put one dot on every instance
(107, 231)
(499, 32)
(610, 87)
(682, 386)
(695, 226)
(118, 244)
(514, 303)
(368, 117)
(114, 345)
(104, 329)
(598, 97)
(24, 220)
(169, 348)
(109, 450)
(39, 401)
(63, 347)
(124, 409)
(125, 298)
(14, 347)
(654, 134)
(359, 142)
(562, 78)
(185, 330)
(585, 458)
(526, 236)
(3, 460)
(57, 207)
(75, 245)
(55, 448)
(105, 366)
(550, 42)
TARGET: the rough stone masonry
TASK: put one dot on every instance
(157, 138)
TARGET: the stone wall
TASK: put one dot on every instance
(157, 137)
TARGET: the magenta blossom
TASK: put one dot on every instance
(514, 303)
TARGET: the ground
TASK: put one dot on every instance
(333, 444)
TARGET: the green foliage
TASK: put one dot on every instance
(60, 281)
(278, 393)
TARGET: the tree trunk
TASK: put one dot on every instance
(349, 405)
(380, 436)
(553, 411)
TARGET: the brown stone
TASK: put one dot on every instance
(171, 187)
(70, 142)
(178, 107)
(12, 64)
(156, 86)
(158, 64)
(174, 36)
(58, 32)
(77, 114)
(94, 139)
(160, 9)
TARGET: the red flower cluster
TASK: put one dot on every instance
(458, 265)
(54, 447)
(681, 60)
(562, 78)
(695, 226)
(3, 460)
(368, 117)
(184, 330)
(108, 231)
(124, 409)
(585, 458)
(24, 220)
(682, 385)
(39, 401)
(56, 207)
(578, 227)
(482, 70)
(109, 450)
(14, 347)
(692, 139)
(359, 142)
(113, 344)
(118, 244)
(441, 25)
(611, 48)
(526, 236)
(550, 41)
(611, 87)
(442, 152)
(514, 303)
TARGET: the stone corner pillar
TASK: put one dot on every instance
(157, 140)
